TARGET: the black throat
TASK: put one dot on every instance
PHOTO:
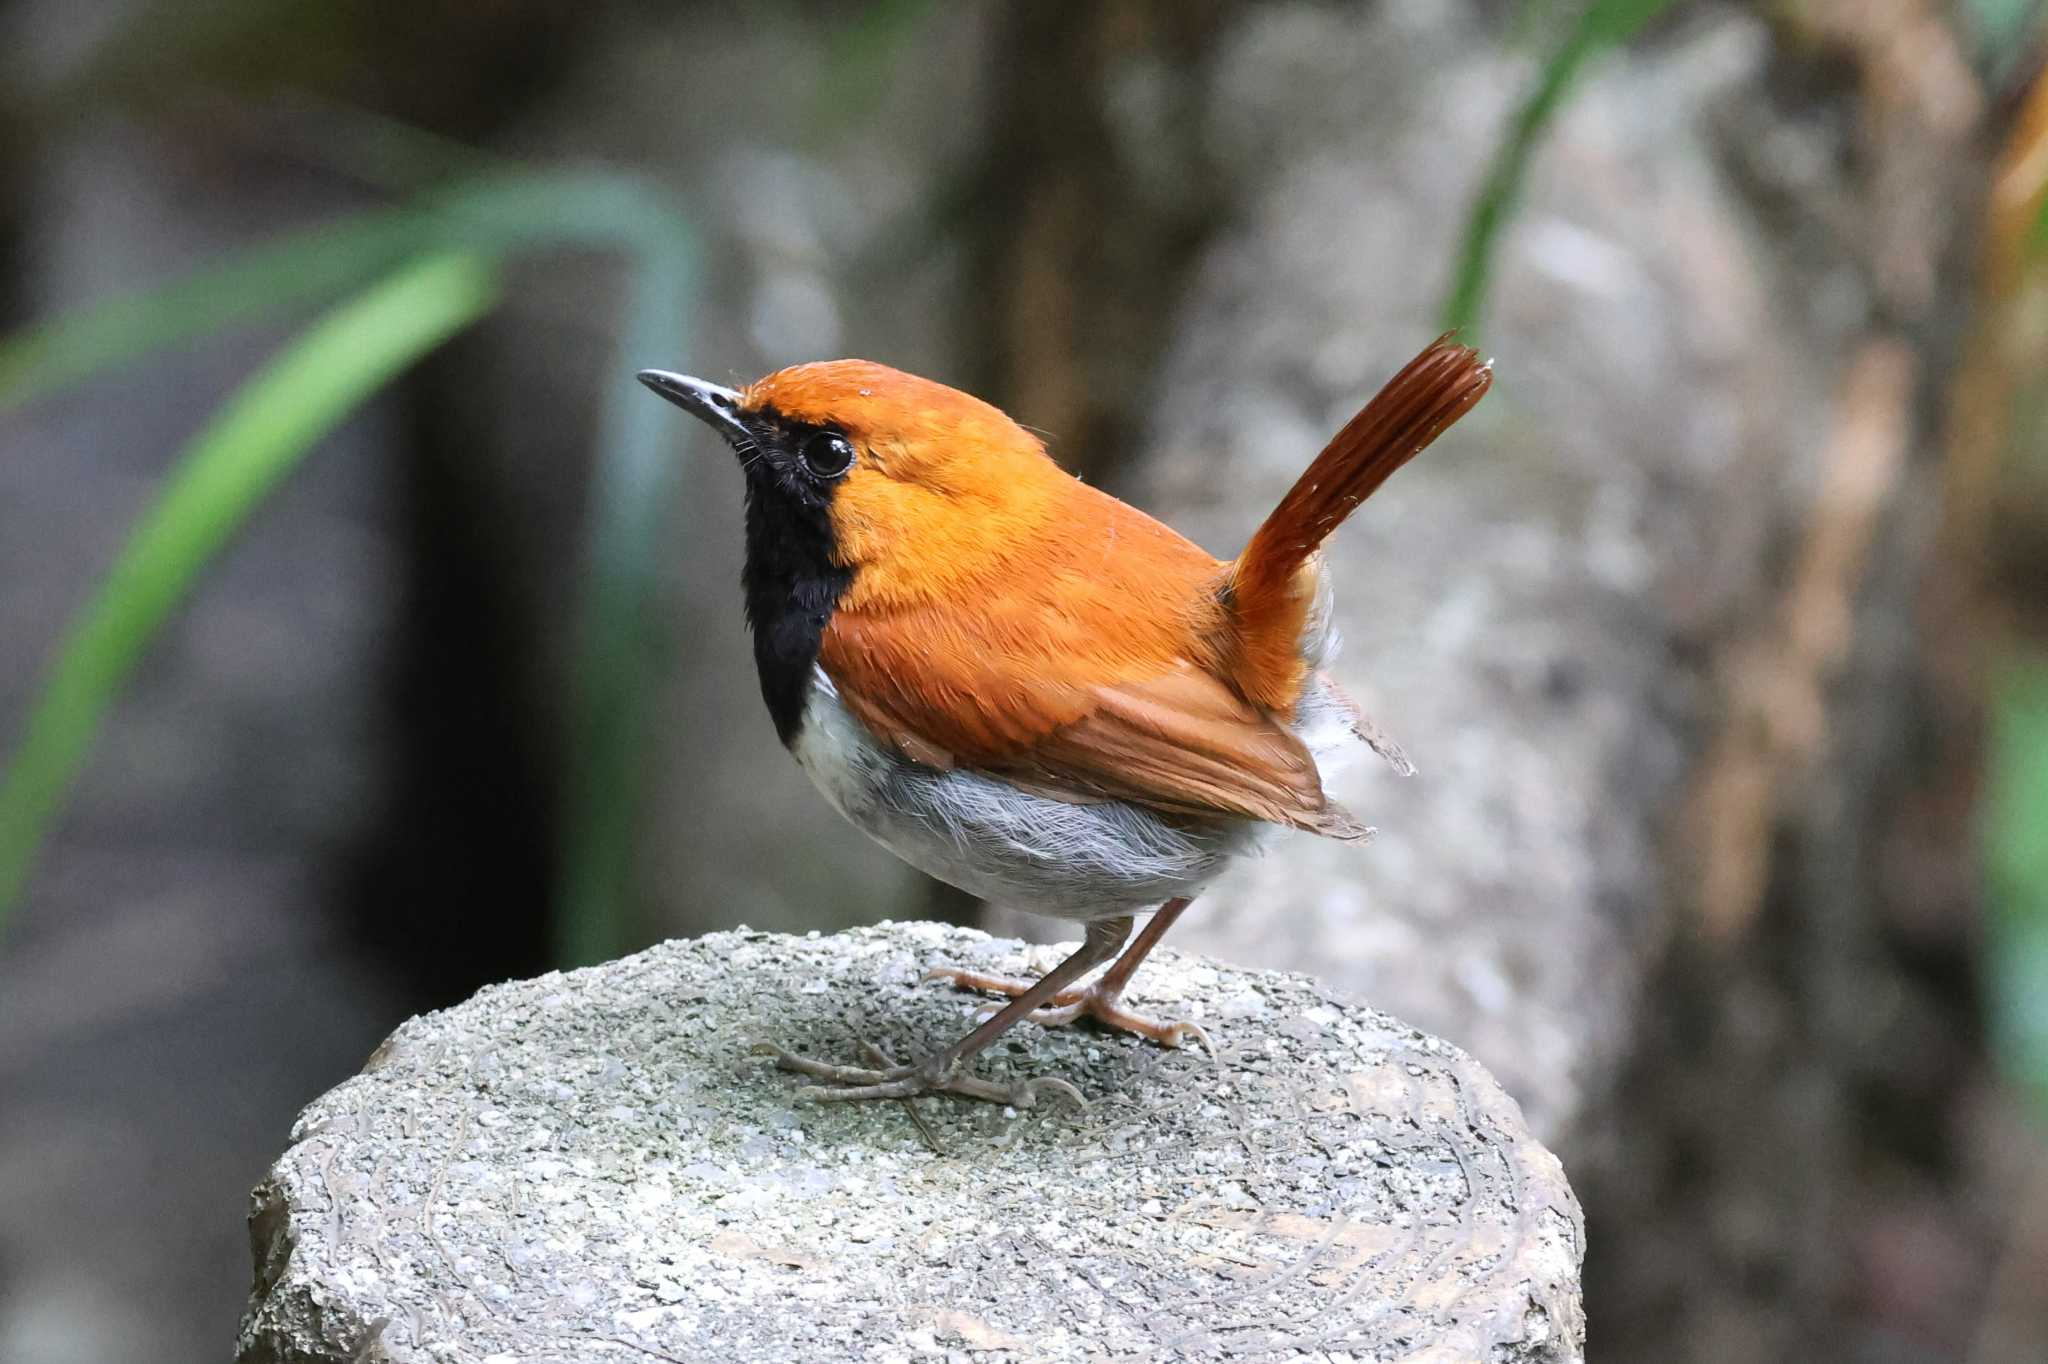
(792, 584)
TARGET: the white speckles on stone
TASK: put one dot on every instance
(1242, 1004)
(503, 1210)
(927, 934)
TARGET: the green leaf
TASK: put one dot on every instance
(636, 470)
(492, 214)
(222, 475)
(304, 268)
(1613, 22)
(2016, 857)
(630, 502)
(1601, 25)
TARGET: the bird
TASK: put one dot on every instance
(1031, 690)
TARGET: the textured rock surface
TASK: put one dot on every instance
(592, 1165)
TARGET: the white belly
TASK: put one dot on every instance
(1005, 845)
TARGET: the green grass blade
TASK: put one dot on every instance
(298, 270)
(498, 213)
(1601, 25)
(632, 497)
(2016, 857)
(517, 211)
(222, 476)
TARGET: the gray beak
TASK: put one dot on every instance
(719, 408)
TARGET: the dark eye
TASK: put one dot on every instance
(827, 454)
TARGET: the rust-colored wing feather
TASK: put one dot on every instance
(1095, 676)
(1186, 742)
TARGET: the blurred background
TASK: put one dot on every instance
(366, 635)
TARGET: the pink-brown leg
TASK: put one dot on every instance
(1102, 999)
(942, 1072)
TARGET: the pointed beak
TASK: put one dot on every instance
(719, 408)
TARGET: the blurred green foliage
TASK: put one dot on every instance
(220, 478)
(858, 51)
(2003, 28)
(2016, 795)
(257, 439)
(1601, 25)
(2016, 858)
(264, 283)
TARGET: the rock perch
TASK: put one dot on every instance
(591, 1166)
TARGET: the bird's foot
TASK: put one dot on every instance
(1105, 1006)
(935, 1075)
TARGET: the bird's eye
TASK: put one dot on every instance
(827, 454)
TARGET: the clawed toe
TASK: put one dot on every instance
(1022, 1094)
(1057, 990)
(1104, 1006)
(908, 1082)
(825, 1070)
(1166, 1032)
(960, 978)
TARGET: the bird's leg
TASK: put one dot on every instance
(1101, 1000)
(941, 1072)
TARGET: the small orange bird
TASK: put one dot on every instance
(1029, 689)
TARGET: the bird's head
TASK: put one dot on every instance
(914, 487)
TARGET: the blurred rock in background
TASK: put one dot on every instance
(1677, 865)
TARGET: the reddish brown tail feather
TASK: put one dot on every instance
(1415, 407)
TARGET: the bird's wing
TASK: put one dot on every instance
(1185, 742)
(1084, 685)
